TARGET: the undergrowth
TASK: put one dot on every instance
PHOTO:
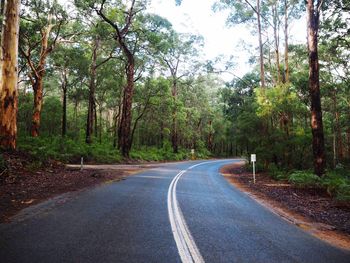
(336, 182)
(70, 151)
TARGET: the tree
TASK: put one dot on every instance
(46, 18)
(313, 20)
(95, 64)
(121, 33)
(243, 12)
(176, 51)
(69, 65)
(9, 74)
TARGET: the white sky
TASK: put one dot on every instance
(196, 16)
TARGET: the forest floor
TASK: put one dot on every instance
(25, 184)
(311, 209)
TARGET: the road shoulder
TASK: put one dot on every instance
(28, 186)
(235, 175)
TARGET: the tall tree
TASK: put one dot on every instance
(243, 12)
(9, 74)
(95, 64)
(127, 47)
(47, 18)
(261, 52)
(178, 53)
(313, 8)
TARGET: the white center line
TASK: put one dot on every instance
(185, 243)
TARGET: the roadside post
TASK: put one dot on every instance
(253, 160)
(192, 154)
(81, 163)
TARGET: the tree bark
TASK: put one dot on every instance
(38, 104)
(337, 129)
(125, 123)
(210, 136)
(100, 126)
(9, 75)
(276, 27)
(39, 73)
(64, 103)
(174, 134)
(124, 136)
(286, 65)
(92, 88)
(314, 88)
(262, 71)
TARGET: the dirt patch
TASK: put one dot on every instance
(23, 184)
(311, 209)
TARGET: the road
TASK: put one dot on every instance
(179, 212)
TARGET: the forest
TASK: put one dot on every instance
(108, 81)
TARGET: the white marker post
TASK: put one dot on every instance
(81, 163)
(192, 154)
(253, 160)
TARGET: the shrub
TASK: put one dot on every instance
(304, 179)
(337, 185)
(259, 167)
(276, 173)
(68, 150)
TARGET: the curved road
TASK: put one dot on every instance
(183, 212)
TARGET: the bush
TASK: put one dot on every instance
(277, 173)
(304, 179)
(259, 167)
(68, 150)
(337, 185)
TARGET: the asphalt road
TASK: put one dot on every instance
(184, 212)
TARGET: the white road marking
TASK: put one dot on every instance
(185, 243)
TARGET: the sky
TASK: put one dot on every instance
(196, 16)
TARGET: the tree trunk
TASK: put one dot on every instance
(9, 75)
(126, 118)
(314, 89)
(262, 71)
(276, 28)
(38, 104)
(75, 113)
(286, 65)
(210, 136)
(174, 134)
(95, 120)
(64, 104)
(92, 88)
(39, 76)
(100, 128)
(64, 113)
(337, 129)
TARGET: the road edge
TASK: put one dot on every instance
(318, 230)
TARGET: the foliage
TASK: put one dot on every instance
(276, 173)
(236, 118)
(68, 150)
(337, 183)
(304, 179)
